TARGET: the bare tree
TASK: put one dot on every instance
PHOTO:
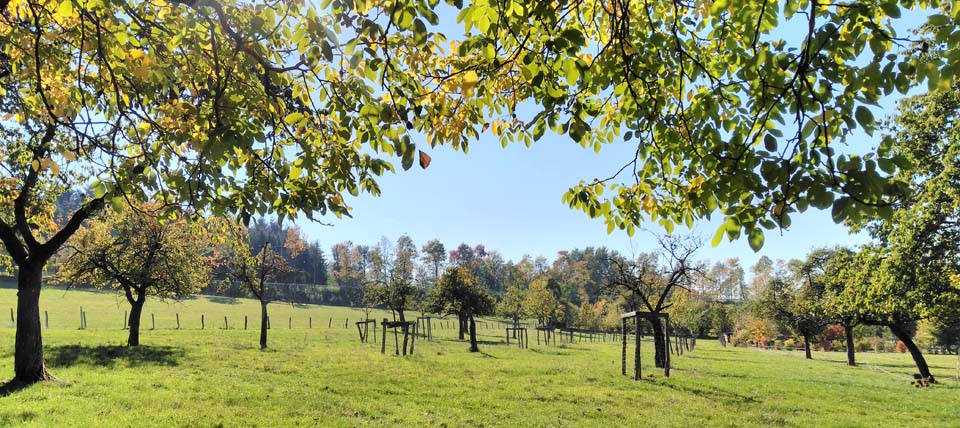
(648, 282)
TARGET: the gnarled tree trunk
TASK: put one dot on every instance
(904, 335)
(473, 335)
(806, 346)
(659, 344)
(263, 324)
(136, 309)
(851, 352)
(29, 365)
(462, 329)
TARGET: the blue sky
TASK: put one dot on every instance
(510, 201)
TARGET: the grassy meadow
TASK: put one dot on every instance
(323, 376)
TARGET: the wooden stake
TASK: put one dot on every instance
(636, 353)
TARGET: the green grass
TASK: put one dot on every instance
(325, 377)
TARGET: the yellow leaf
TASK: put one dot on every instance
(649, 204)
(695, 184)
(469, 82)
(135, 53)
(65, 9)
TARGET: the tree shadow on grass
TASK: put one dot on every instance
(224, 300)
(109, 355)
(15, 419)
(10, 388)
(708, 392)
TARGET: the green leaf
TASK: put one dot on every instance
(718, 236)
(578, 129)
(770, 143)
(407, 160)
(938, 20)
(891, 9)
(755, 238)
(865, 118)
(719, 6)
(571, 72)
(98, 188)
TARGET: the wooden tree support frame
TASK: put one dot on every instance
(424, 327)
(365, 330)
(548, 333)
(408, 336)
(523, 340)
(636, 317)
(577, 335)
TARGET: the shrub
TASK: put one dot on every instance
(778, 344)
(900, 347)
(790, 344)
(839, 345)
(862, 345)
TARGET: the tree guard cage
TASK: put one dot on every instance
(548, 333)
(636, 317)
(408, 337)
(424, 327)
(521, 334)
(365, 330)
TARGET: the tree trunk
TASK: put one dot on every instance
(463, 326)
(851, 352)
(806, 346)
(473, 335)
(28, 363)
(903, 333)
(136, 309)
(263, 324)
(659, 344)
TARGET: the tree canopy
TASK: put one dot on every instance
(741, 108)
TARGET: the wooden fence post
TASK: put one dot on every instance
(383, 343)
(226, 324)
(153, 322)
(330, 323)
(178, 320)
(636, 355)
(46, 319)
(310, 322)
(203, 323)
(290, 322)
(125, 320)
(623, 351)
(12, 319)
(244, 322)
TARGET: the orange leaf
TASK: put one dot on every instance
(424, 159)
